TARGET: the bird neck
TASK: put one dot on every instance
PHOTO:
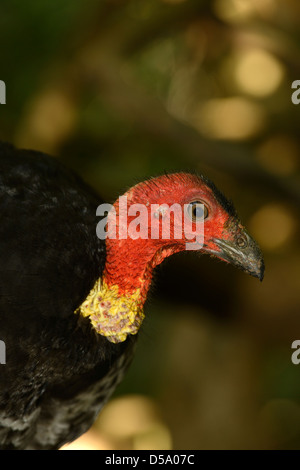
(115, 304)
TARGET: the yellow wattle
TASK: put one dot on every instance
(111, 313)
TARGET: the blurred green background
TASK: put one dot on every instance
(121, 90)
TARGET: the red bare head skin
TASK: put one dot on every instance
(130, 262)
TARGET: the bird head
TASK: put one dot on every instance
(176, 212)
(151, 221)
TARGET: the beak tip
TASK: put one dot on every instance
(259, 269)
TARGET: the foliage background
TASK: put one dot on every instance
(121, 90)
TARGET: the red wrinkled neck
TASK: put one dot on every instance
(130, 263)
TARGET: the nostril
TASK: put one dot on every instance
(242, 242)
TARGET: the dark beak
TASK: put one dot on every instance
(242, 252)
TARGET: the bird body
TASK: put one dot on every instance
(58, 371)
(71, 304)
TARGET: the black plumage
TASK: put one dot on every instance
(58, 371)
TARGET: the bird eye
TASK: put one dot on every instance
(197, 210)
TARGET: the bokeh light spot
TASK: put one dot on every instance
(230, 118)
(258, 72)
(279, 155)
(273, 226)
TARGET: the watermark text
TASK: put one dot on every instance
(2, 352)
(152, 221)
(2, 92)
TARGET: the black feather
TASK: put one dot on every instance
(227, 204)
(58, 371)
